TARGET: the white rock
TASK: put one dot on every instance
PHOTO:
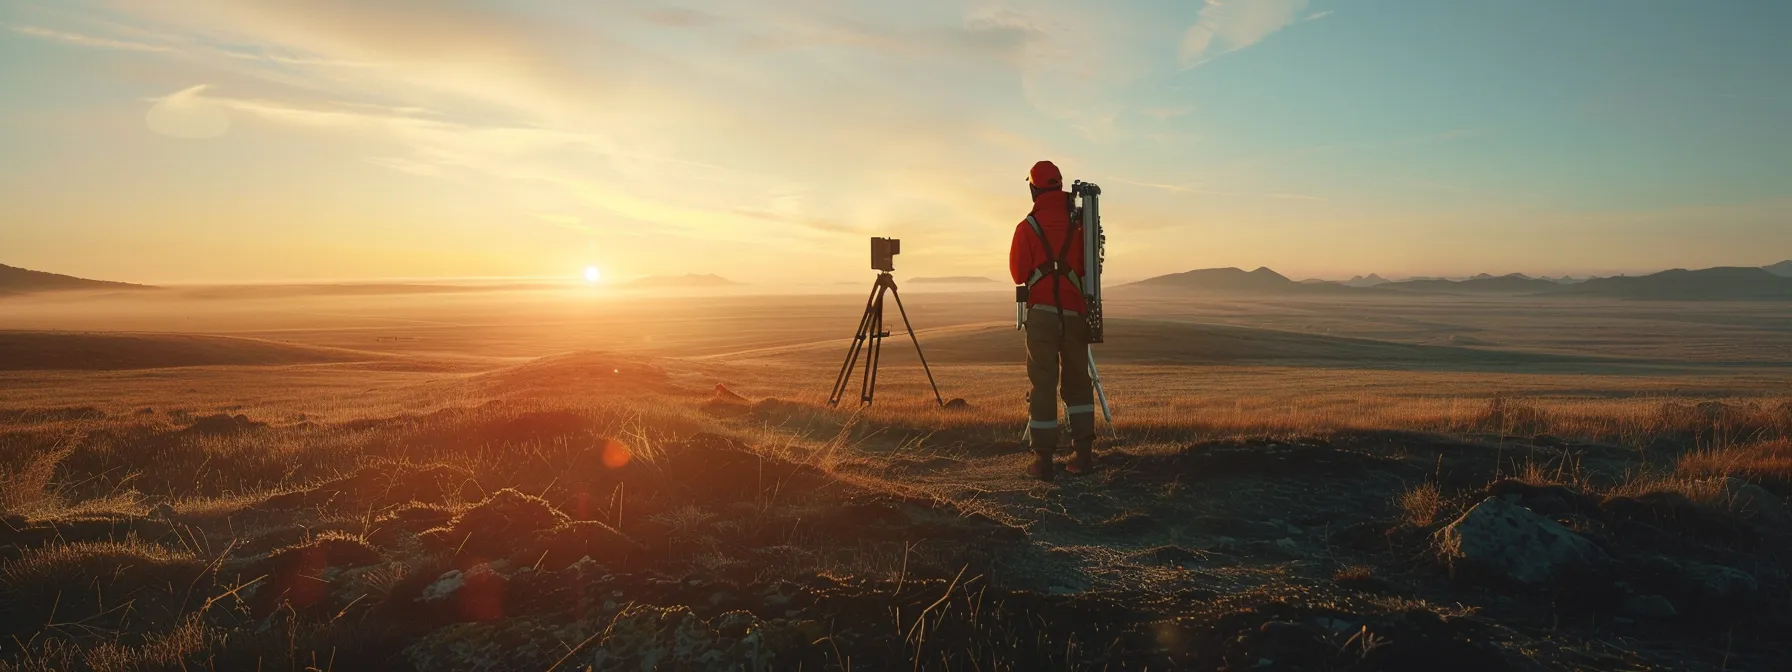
(1505, 539)
(444, 585)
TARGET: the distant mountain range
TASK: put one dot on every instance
(19, 280)
(951, 279)
(1710, 284)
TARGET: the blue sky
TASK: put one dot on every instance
(220, 141)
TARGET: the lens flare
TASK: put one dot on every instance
(615, 454)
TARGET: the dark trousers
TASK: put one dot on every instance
(1058, 364)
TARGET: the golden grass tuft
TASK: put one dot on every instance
(1765, 462)
(1421, 504)
(30, 489)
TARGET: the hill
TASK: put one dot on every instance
(1370, 280)
(64, 350)
(14, 279)
(679, 281)
(1710, 284)
(1782, 269)
(1262, 281)
(1481, 284)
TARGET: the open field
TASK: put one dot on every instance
(530, 478)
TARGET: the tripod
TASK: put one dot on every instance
(870, 339)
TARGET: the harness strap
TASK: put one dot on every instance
(1056, 263)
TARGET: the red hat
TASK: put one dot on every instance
(1045, 175)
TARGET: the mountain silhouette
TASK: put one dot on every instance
(1369, 280)
(1515, 283)
(1782, 269)
(1710, 284)
(18, 280)
(1260, 281)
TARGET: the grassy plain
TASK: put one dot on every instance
(537, 478)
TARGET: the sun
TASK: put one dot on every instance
(591, 274)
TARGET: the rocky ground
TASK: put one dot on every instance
(698, 531)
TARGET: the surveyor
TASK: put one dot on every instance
(1047, 258)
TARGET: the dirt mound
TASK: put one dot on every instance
(561, 546)
(492, 528)
(222, 424)
(300, 576)
(60, 350)
(126, 586)
(377, 486)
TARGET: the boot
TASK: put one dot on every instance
(1044, 443)
(1082, 459)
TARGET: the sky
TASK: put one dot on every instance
(331, 140)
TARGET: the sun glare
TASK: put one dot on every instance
(591, 274)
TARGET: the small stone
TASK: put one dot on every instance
(445, 585)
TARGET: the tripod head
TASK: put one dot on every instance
(883, 253)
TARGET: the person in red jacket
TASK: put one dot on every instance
(1047, 257)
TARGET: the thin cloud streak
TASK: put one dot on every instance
(79, 39)
(1225, 27)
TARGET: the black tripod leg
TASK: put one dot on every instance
(868, 383)
(912, 337)
(852, 352)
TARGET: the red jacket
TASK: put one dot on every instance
(1027, 253)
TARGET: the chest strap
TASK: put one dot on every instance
(1056, 263)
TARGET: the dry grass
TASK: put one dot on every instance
(29, 490)
(1767, 462)
(1420, 504)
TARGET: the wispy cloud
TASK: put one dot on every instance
(1228, 26)
(1315, 16)
(83, 40)
(1197, 189)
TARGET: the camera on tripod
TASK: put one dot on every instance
(883, 253)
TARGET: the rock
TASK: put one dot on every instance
(1721, 583)
(444, 586)
(1648, 606)
(1756, 503)
(1503, 539)
(476, 594)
